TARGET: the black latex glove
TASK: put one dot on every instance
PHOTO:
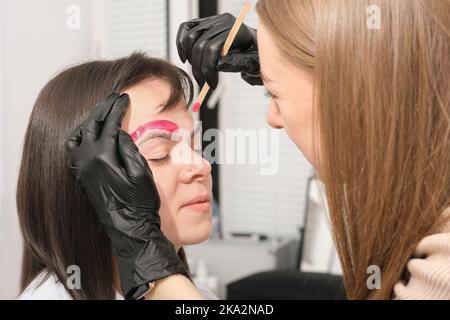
(200, 41)
(117, 179)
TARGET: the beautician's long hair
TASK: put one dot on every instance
(59, 226)
(382, 113)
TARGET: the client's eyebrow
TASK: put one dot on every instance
(165, 125)
(170, 136)
(176, 137)
(159, 134)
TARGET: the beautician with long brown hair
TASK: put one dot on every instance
(368, 107)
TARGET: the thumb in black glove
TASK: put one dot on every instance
(200, 41)
(246, 63)
(118, 182)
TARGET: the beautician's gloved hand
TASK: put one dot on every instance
(200, 41)
(118, 182)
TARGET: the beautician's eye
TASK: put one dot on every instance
(269, 94)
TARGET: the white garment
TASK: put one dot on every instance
(47, 287)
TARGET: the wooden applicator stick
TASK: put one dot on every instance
(226, 47)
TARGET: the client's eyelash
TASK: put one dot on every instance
(160, 160)
(167, 157)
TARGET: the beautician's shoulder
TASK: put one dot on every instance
(45, 286)
(429, 269)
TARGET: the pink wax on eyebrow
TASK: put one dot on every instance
(158, 124)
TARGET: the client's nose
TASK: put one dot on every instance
(198, 169)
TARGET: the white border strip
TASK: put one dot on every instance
(2, 98)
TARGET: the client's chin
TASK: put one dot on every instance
(188, 229)
(197, 233)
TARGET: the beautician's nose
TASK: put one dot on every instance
(199, 169)
(274, 116)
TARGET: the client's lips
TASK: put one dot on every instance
(199, 203)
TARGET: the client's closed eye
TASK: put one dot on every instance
(155, 150)
(158, 157)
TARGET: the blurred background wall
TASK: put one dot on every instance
(35, 44)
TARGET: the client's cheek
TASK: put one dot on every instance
(168, 225)
(209, 183)
(164, 209)
(162, 175)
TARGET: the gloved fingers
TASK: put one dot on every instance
(253, 79)
(210, 56)
(139, 174)
(196, 42)
(113, 122)
(133, 162)
(188, 39)
(207, 49)
(94, 123)
(237, 61)
(184, 51)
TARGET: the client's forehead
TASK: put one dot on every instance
(146, 100)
